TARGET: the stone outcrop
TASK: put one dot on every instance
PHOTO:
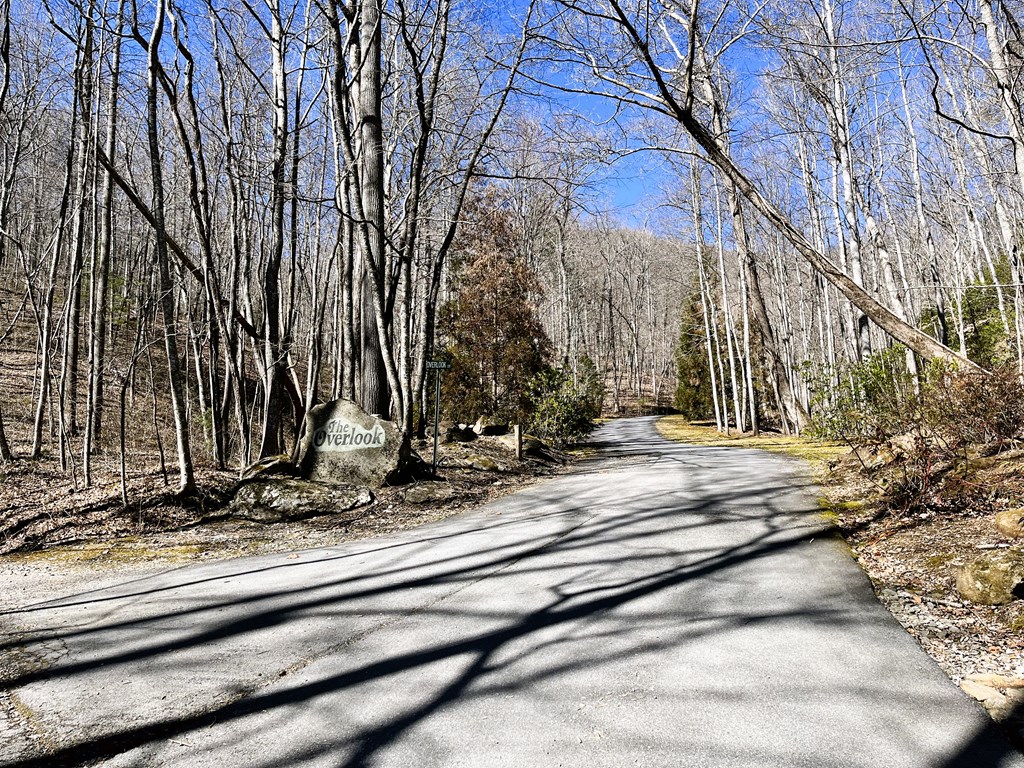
(281, 499)
(1010, 523)
(995, 578)
(343, 445)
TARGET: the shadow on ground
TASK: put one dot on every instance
(616, 585)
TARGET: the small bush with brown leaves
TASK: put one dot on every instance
(923, 434)
(975, 407)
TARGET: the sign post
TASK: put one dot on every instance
(437, 366)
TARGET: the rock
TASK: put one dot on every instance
(995, 578)
(880, 458)
(989, 697)
(488, 425)
(996, 681)
(1001, 704)
(278, 500)
(903, 446)
(271, 466)
(1010, 523)
(425, 493)
(342, 444)
(457, 433)
(483, 463)
(531, 444)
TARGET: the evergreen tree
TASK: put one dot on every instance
(693, 390)
(490, 327)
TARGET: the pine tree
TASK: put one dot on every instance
(693, 389)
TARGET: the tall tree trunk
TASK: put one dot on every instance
(374, 394)
(165, 284)
(922, 221)
(734, 384)
(705, 290)
(273, 352)
(5, 447)
(101, 268)
(85, 174)
(46, 318)
(790, 411)
(839, 124)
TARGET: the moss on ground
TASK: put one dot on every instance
(940, 560)
(126, 550)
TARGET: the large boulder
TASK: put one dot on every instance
(995, 578)
(342, 444)
(491, 426)
(281, 499)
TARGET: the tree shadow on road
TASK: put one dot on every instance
(618, 585)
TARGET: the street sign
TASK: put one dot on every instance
(437, 366)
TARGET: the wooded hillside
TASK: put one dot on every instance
(215, 215)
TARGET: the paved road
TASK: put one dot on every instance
(664, 606)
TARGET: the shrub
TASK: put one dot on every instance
(923, 441)
(963, 408)
(870, 402)
(564, 408)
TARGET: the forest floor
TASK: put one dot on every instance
(54, 532)
(911, 561)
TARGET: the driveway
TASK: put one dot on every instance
(664, 605)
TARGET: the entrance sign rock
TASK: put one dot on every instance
(343, 444)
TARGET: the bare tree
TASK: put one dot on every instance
(186, 472)
(663, 80)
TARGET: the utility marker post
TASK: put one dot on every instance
(437, 366)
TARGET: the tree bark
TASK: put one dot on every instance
(374, 394)
(186, 473)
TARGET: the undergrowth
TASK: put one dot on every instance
(923, 439)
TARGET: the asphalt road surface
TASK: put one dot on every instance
(664, 605)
